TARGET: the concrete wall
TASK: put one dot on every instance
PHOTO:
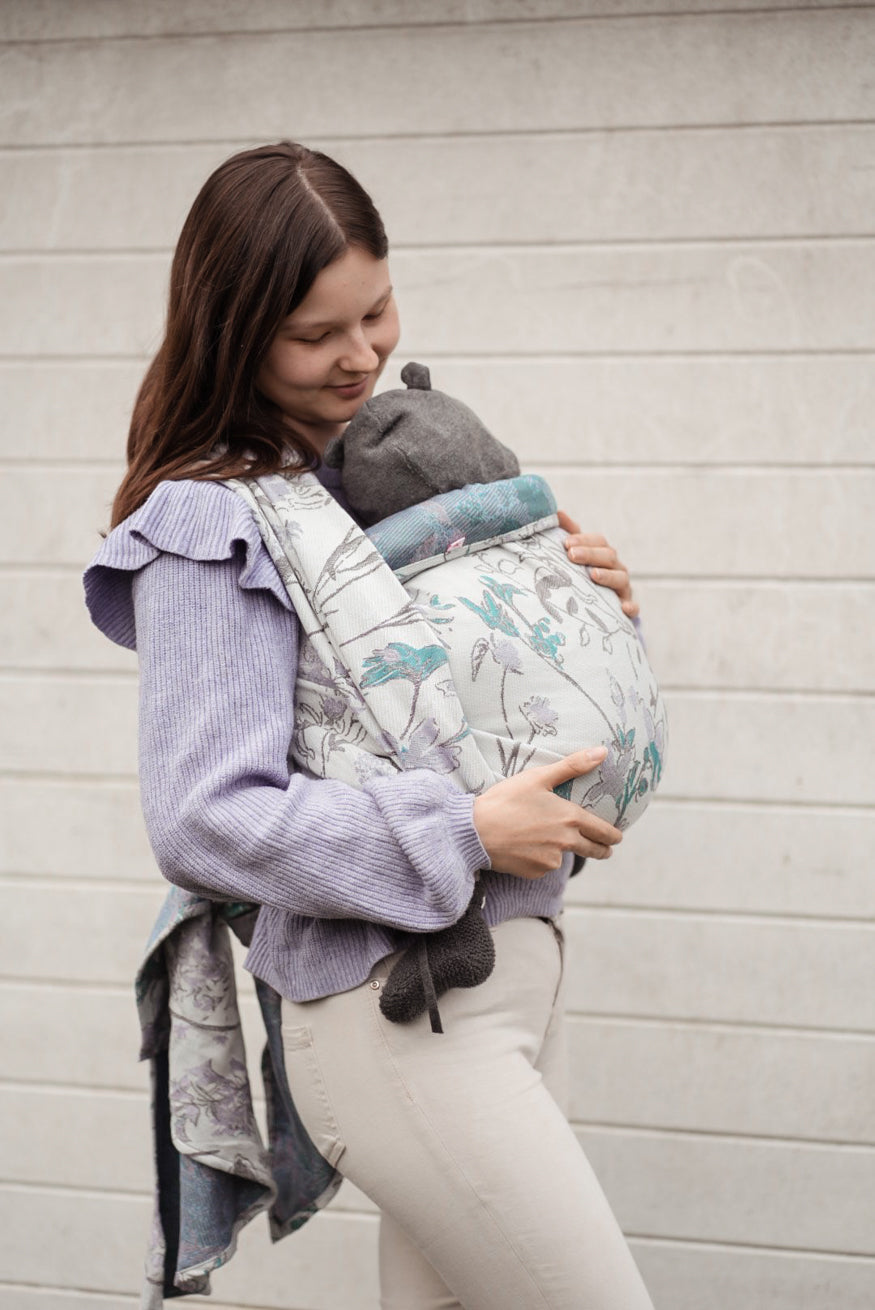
(637, 235)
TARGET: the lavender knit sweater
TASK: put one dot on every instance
(340, 873)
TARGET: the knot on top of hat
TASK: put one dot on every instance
(416, 376)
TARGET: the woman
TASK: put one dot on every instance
(281, 318)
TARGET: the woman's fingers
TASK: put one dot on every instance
(526, 828)
(572, 766)
(617, 579)
(605, 568)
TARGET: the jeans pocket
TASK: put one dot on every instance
(310, 1093)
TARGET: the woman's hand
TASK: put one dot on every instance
(526, 829)
(605, 569)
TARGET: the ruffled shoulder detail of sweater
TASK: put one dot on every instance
(198, 520)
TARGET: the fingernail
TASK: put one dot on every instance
(577, 556)
(596, 752)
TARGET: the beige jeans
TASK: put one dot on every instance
(487, 1200)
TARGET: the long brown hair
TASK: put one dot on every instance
(265, 223)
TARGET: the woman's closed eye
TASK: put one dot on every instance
(312, 341)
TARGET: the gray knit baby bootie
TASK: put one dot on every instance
(462, 955)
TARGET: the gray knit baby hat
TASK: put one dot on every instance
(404, 446)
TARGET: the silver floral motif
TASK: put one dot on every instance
(540, 715)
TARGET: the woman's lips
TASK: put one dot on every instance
(351, 390)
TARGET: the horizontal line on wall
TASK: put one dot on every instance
(708, 1244)
(87, 360)
(77, 1296)
(745, 1025)
(88, 463)
(89, 779)
(667, 468)
(125, 886)
(56, 1189)
(786, 805)
(335, 142)
(757, 584)
(755, 803)
(69, 675)
(463, 25)
(42, 985)
(90, 254)
(689, 911)
(655, 1130)
(706, 916)
(579, 130)
(87, 985)
(31, 570)
(797, 579)
(51, 882)
(61, 1089)
(46, 254)
(11, 673)
(74, 1297)
(720, 1026)
(111, 782)
(351, 139)
(761, 692)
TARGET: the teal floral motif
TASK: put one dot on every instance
(546, 642)
(494, 616)
(624, 775)
(435, 612)
(505, 591)
(398, 660)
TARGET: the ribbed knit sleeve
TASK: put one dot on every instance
(225, 816)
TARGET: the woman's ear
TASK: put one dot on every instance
(333, 453)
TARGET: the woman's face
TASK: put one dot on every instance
(326, 357)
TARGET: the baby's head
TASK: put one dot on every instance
(404, 446)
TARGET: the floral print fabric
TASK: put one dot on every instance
(494, 654)
(214, 1173)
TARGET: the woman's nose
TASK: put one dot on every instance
(359, 356)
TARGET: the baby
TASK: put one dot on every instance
(543, 661)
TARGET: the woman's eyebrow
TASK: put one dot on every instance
(310, 323)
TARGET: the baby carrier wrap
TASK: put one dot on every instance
(499, 655)
(455, 636)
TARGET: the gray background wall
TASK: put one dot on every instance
(637, 235)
